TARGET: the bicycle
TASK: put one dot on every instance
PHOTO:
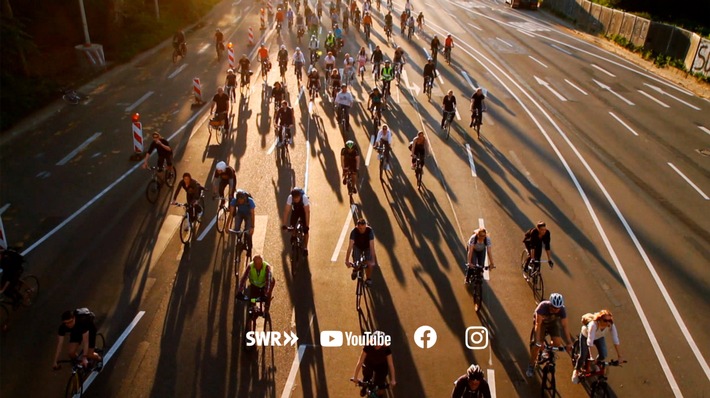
(350, 183)
(190, 220)
(222, 213)
(256, 310)
(448, 119)
(239, 246)
(300, 32)
(245, 84)
(532, 274)
(361, 72)
(388, 32)
(298, 66)
(384, 153)
(410, 31)
(367, 28)
(599, 386)
(476, 280)
(265, 67)
(370, 389)
(546, 362)
(73, 97)
(283, 66)
(220, 50)
(156, 182)
(447, 55)
(342, 119)
(376, 118)
(232, 93)
(477, 121)
(79, 372)
(376, 71)
(313, 91)
(218, 126)
(179, 52)
(24, 294)
(358, 274)
(282, 142)
(419, 170)
(398, 72)
(297, 242)
(386, 87)
(428, 84)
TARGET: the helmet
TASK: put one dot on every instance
(263, 44)
(296, 192)
(556, 300)
(430, 59)
(330, 32)
(449, 35)
(313, 37)
(283, 47)
(350, 144)
(387, 61)
(221, 166)
(241, 194)
(474, 372)
(298, 48)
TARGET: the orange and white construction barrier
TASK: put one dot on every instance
(197, 90)
(230, 54)
(262, 19)
(137, 130)
(251, 37)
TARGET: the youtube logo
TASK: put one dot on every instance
(331, 338)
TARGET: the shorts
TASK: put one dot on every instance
(552, 328)
(76, 335)
(357, 252)
(350, 164)
(380, 372)
(163, 159)
(297, 215)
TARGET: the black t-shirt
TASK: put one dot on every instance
(478, 100)
(429, 70)
(362, 240)
(285, 116)
(350, 155)
(228, 174)
(377, 56)
(461, 389)
(283, 56)
(449, 103)
(244, 64)
(84, 321)
(222, 102)
(162, 152)
(219, 36)
(277, 93)
(231, 80)
(193, 190)
(375, 356)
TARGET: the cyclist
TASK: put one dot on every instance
(361, 59)
(449, 106)
(398, 59)
(344, 100)
(550, 317)
(223, 106)
(346, 17)
(335, 20)
(165, 153)
(244, 65)
(261, 281)
(420, 21)
(263, 53)
(300, 23)
(478, 245)
(366, 22)
(298, 60)
(241, 208)
(314, 80)
(224, 175)
(384, 139)
(348, 67)
(313, 21)
(230, 82)
(595, 327)
(313, 46)
(319, 8)
(362, 241)
(429, 71)
(387, 75)
(335, 82)
(448, 44)
(435, 45)
(11, 270)
(375, 360)
(279, 19)
(388, 21)
(374, 102)
(278, 93)
(329, 62)
(411, 23)
(477, 105)
(193, 191)
(408, 8)
(298, 206)
(376, 59)
(330, 43)
(534, 239)
(219, 40)
(471, 385)
(357, 15)
(418, 148)
(179, 40)
(79, 323)
(350, 161)
(403, 22)
(289, 17)
(282, 57)
(285, 117)
(338, 33)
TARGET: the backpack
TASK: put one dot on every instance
(83, 314)
(586, 318)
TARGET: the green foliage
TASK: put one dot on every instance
(607, 3)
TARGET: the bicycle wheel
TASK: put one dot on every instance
(4, 318)
(419, 173)
(100, 346)
(217, 134)
(477, 295)
(152, 191)
(170, 176)
(175, 56)
(221, 219)
(29, 289)
(185, 230)
(74, 386)
(538, 287)
(524, 263)
(358, 290)
(548, 382)
(600, 390)
(448, 127)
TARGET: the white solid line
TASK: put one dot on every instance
(470, 160)
(2, 209)
(78, 149)
(291, 380)
(140, 101)
(504, 42)
(525, 32)
(468, 79)
(104, 191)
(208, 228)
(343, 232)
(578, 89)
(623, 123)
(491, 382)
(272, 147)
(536, 60)
(308, 157)
(178, 70)
(658, 89)
(522, 169)
(300, 94)
(603, 70)
(204, 48)
(561, 49)
(689, 182)
(369, 150)
(653, 99)
(705, 129)
(113, 349)
(458, 116)
(552, 90)
(475, 27)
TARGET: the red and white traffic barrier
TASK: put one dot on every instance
(262, 19)
(137, 130)
(197, 90)
(251, 37)
(230, 55)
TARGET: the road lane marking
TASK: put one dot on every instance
(599, 68)
(662, 92)
(561, 49)
(491, 382)
(178, 70)
(470, 160)
(259, 237)
(291, 380)
(113, 350)
(300, 94)
(578, 89)
(140, 101)
(369, 150)
(623, 123)
(78, 149)
(689, 181)
(597, 223)
(475, 27)
(458, 116)
(525, 32)
(607, 88)
(521, 168)
(2, 209)
(273, 146)
(653, 99)
(468, 79)
(552, 90)
(343, 232)
(203, 49)
(504, 42)
(207, 228)
(486, 271)
(536, 60)
(705, 129)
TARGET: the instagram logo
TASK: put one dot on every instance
(477, 337)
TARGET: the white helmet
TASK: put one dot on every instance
(556, 300)
(221, 166)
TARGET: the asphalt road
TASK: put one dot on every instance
(603, 151)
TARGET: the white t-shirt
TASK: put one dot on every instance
(592, 332)
(299, 58)
(384, 136)
(329, 60)
(344, 98)
(304, 199)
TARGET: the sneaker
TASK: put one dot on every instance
(530, 372)
(353, 275)
(575, 377)
(368, 282)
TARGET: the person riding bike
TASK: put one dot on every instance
(344, 101)
(398, 60)
(289, 17)
(278, 93)
(387, 75)
(367, 21)
(299, 208)
(285, 117)
(376, 363)
(362, 242)
(361, 59)
(261, 281)
(418, 148)
(335, 19)
(314, 81)
(179, 40)
(241, 208)
(335, 82)
(595, 328)
(434, 46)
(550, 317)
(330, 42)
(193, 192)
(348, 67)
(313, 46)
(477, 106)
(263, 53)
(282, 57)
(350, 161)
(472, 384)
(388, 21)
(384, 141)
(221, 107)
(329, 62)
(313, 24)
(429, 71)
(79, 324)
(534, 239)
(223, 176)
(300, 23)
(448, 106)
(165, 153)
(448, 44)
(374, 102)
(357, 15)
(478, 245)
(279, 18)
(338, 33)
(376, 59)
(411, 23)
(219, 40)
(244, 65)
(298, 60)
(420, 21)
(230, 81)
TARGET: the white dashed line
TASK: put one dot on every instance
(623, 123)
(603, 70)
(689, 182)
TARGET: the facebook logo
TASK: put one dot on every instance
(425, 337)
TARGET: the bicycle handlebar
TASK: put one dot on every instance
(237, 232)
(244, 297)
